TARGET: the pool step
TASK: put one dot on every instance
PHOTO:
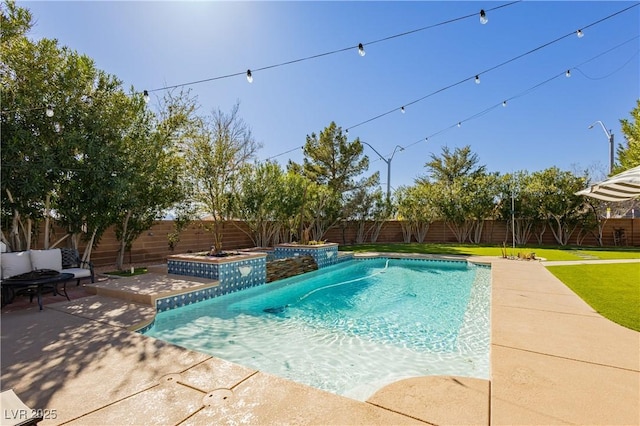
(146, 288)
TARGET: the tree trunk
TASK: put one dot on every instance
(47, 221)
(375, 229)
(406, 231)
(123, 243)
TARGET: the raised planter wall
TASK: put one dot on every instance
(324, 254)
(234, 272)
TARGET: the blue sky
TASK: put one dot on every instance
(150, 45)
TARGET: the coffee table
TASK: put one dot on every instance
(38, 279)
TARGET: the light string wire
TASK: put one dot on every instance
(332, 52)
(477, 115)
(612, 72)
(526, 92)
(572, 33)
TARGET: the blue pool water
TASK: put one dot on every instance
(349, 328)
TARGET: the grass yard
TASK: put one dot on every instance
(547, 252)
(613, 290)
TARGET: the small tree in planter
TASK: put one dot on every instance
(214, 161)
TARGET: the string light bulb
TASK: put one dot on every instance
(402, 110)
(483, 17)
(477, 79)
(504, 103)
(459, 124)
(249, 76)
(579, 33)
(568, 73)
(56, 127)
(49, 111)
(361, 51)
(145, 96)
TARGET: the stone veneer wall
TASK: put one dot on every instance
(324, 255)
(290, 267)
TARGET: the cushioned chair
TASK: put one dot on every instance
(15, 412)
(72, 263)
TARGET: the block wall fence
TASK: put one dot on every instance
(153, 245)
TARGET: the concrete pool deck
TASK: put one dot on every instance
(554, 360)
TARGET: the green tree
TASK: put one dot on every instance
(215, 159)
(516, 195)
(464, 194)
(75, 148)
(337, 164)
(365, 206)
(261, 187)
(291, 214)
(629, 154)
(553, 192)
(28, 72)
(451, 166)
(150, 179)
(416, 210)
(62, 162)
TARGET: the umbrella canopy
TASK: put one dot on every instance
(621, 187)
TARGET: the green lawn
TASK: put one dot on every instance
(547, 252)
(613, 290)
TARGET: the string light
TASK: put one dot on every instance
(572, 33)
(523, 93)
(477, 79)
(402, 110)
(56, 127)
(344, 49)
(49, 111)
(249, 76)
(568, 73)
(483, 17)
(579, 33)
(145, 96)
(361, 51)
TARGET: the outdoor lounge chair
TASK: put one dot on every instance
(15, 412)
(72, 263)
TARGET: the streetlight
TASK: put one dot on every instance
(610, 137)
(388, 161)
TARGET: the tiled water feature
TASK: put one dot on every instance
(324, 254)
(234, 272)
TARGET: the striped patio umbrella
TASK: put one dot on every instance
(621, 187)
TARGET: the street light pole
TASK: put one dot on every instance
(610, 137)
(388, 161)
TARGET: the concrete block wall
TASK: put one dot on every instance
(153, 246)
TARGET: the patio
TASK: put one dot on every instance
(554, 361)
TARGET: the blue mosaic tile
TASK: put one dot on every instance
(325, 256)
(232, 276)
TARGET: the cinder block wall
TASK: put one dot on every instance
(153, 246)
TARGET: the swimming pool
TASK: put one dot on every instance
(349, 328)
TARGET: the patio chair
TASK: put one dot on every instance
(72, 263)
(15, 412)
